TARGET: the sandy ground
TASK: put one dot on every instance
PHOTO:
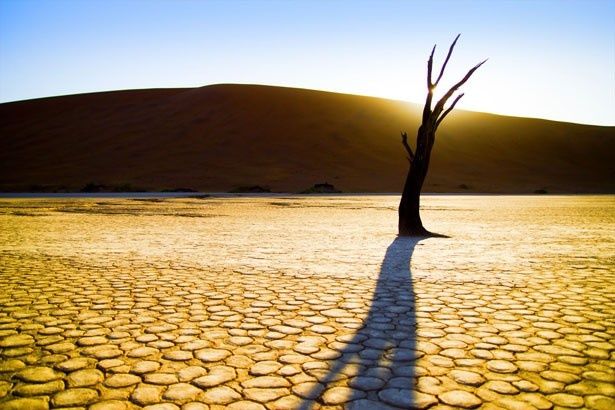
(307, 303)
(221, 137)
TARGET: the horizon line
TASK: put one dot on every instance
(420, 104)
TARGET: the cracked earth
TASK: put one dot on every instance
(306, 303)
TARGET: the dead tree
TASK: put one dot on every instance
(409, 218)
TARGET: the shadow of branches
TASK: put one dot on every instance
(376, 366)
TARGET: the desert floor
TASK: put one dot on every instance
(306, 303)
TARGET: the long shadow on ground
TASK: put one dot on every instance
(379, 359)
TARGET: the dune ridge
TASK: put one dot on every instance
(220, 137)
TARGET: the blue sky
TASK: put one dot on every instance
(547, 59)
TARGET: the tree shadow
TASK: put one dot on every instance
(378, 361)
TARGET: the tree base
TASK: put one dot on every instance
(420, 233)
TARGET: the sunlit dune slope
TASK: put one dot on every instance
(220, 137)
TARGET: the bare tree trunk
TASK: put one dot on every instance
(410, 223)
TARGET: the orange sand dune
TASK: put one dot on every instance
(220, 137)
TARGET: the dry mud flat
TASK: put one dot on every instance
(170, 305)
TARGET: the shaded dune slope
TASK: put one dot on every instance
(219, 137)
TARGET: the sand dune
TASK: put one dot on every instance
(220, 137)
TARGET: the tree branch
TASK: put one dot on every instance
(429, 68)
(430, 87)
(404, 141)
(440, 105)
(449, 109)
(448, 56)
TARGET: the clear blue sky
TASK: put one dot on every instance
(547, 59)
